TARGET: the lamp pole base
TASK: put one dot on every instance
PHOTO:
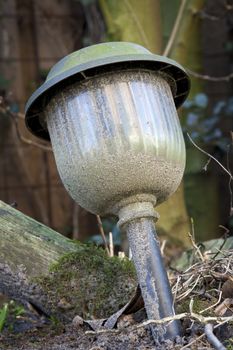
(138, 220)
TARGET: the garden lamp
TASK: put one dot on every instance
(110, 113)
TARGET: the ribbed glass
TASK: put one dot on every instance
(115, 135)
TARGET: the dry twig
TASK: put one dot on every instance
(208, 77)
(192, 239)
(75, 233)
(164, 320)
(175, 28)
(172, 39)
(14, 118)
(100, 225)
(193, 281)
(202, 336)
(213, 340)
(162, 247)
(226, 170)
(137, 22)
(209, 155)
(212, 306)
(111, 245)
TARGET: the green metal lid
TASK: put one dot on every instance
(97, 59)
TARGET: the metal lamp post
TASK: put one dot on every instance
(110, 112)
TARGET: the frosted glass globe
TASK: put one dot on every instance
(116, 135)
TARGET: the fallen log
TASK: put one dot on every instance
(27, 250)
(83, 280)
(26, 242)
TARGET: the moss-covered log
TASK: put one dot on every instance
(58, 276)
(28, 242)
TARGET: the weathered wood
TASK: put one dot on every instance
(24, 241)
(27, 249)
(86, 281)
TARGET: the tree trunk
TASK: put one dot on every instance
(187, 50)
(140, 22)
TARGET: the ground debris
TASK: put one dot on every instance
(202, 308)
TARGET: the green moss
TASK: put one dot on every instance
(9, 314)
(89, 283)
(229, 344)
(199, 304)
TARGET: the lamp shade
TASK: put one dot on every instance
(98, 59)
(116, 135)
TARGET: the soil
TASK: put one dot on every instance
(202, 290)
(70, 337)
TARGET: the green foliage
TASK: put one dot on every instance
(199, 304)
(17, 310)
(229, 344)
(3, 315)
(9, 313)
(55, 322)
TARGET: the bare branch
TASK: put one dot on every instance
(164, 320)
(162, 247)
(75, 233)
(213, 340)
(138, 24)
(209, 155)
(14, 117)
(228, 168)
(28, 141)
(204, 14)
(111, 244)
(224, 240)
(215, 304)
(202, 336)
(172, 39)
(208, 77)
(100, 225)
(175, 28)
(192, 239)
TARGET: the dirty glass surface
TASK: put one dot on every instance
(117, 134)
